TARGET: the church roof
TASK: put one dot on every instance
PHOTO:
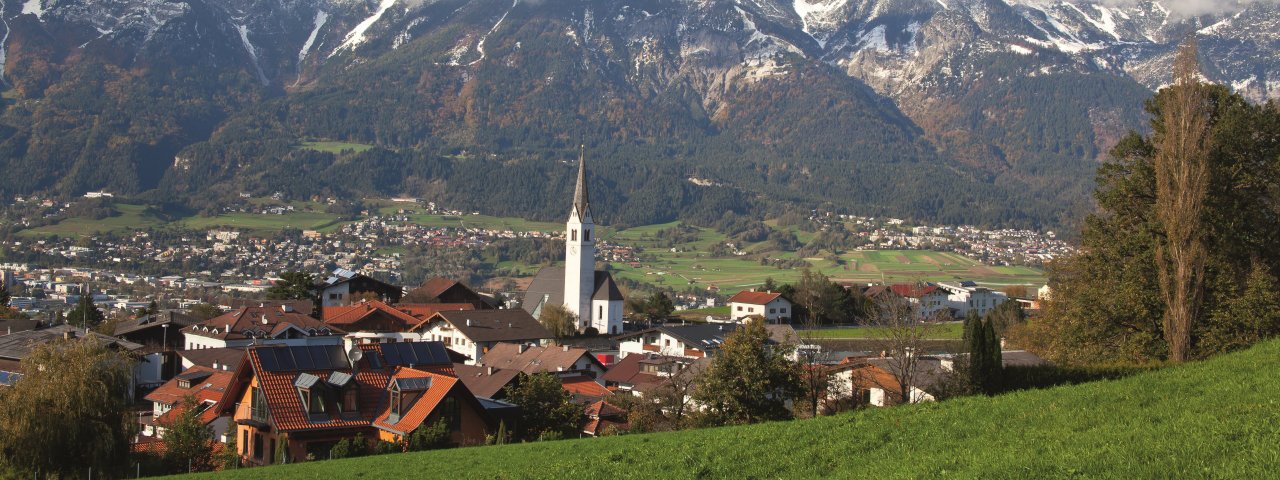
(581, 200)
(548, 287)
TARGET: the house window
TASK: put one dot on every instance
(271, 453)
(244, 443)
(782, 310)
(315, 403)
(666, 343)
(349, 400)
(773, 310)
(395, 404)
(739, 308)
(257, 446)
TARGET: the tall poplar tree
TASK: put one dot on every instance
(1182, 181)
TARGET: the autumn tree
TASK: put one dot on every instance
(558, 320)
(1182, 181)
(900, 333)
(69, 412)
(674, 397)
(749, 379)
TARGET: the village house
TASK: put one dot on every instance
(473, 333)
(301, 400)
(563, 360)
(642, 374)
(373, 321)
(206, 386)
(929, 300)
(161, 335)
(688, 341)
(771, 306)
(342, 285)
(968, 296)
(261, 325)
(486, 382)
(447, 290)
(603, 418)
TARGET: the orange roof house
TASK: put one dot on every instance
(258, 325)
(418, 397)
(602, 416)
(304, 399)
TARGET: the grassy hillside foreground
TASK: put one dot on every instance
(1214, 419)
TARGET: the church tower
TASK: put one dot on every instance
(580, 252)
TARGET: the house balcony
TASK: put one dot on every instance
(651, 348)
(253, 417)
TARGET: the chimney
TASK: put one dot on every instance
(1002, 343)
(215, 365)
(565, 347)
(488, 370)
(229, 325)
(264, 319)
(522, 348)
(468, 322)
(286, 308)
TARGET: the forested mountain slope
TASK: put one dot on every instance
(977, 111)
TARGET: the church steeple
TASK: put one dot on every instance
(581, 200)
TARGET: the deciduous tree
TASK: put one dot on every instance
(69, 412)
(558, 320)
(547, 410)
(749, 380)
(188, 442)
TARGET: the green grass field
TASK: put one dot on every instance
(944, 331)
(132, 217)
(1212, 419)
(335, 147)
(259, 223)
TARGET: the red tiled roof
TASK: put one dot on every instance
(422, 407)
(533, 359)
(350, 317)
(271, 320)
(422, 311)
(755, 298)
(584, 386)
(207, 390)
(285, 406)
(601, 415)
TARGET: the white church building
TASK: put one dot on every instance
(590, 294)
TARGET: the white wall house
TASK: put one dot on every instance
(966, 297)
(261, 325)
(770, 305)
(474, 332)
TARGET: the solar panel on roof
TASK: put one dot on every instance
(391, 351)
(267, 358)
(337, 357)
(284, 361)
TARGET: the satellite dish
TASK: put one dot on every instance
(355, 354)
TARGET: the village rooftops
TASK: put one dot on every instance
(485, 382)
(260, 322)
(369, 315)
(18, 345)
(533, 359)
(492, 325)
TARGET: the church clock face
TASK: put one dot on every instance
(573, 249)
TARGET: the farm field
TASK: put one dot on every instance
(1206, 419)
(943, 331)
(260, 223)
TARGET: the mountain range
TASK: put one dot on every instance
(993, 112)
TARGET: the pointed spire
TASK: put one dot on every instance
(580, 197)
